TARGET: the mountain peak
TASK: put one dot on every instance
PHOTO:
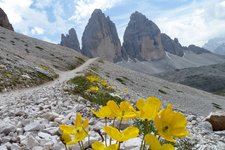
(100, 38)
(70, 40)
(142, 39)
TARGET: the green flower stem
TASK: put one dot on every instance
(87, 134)
(105, 133)
(119, 145)
(82, 145)
(145, 132)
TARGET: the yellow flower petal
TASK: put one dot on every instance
(78, 121)
(128, 133)
(86, 123)
(167, 147)
(171, 124)
(98, 146)
(154, 143)
(67, 129)
(114, 133)
(140, 103)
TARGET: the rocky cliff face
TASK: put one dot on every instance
(172, 46)
(70, 40)
(197, 50)
(142, 39)
(4, 21)
(100, 38)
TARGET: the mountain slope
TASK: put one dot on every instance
(26, 61)
(208, 78)
(140, 85)
(216, 45)
(173, 62)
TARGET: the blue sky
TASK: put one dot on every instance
(192, 21)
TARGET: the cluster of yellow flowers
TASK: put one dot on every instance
(168, 123)
(96, 80)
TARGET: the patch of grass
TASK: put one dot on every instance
(180, 91)
(94, 67)
(40, 48)
(101, 61)
(121, 81)
(27, 50)
(161, 91)
(216, 106)
(220, 92)
(140, 125)
(82, 84)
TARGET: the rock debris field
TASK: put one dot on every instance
(29, 119)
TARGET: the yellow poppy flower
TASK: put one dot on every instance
(171, 124)
(73, 134)
(93, 89)
(93, 78)
(104, 112)
(104, 82)
(154, 143)
(128, 133)
(125, 111)
(100, 146)
(149, 108)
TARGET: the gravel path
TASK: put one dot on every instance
(63, 77)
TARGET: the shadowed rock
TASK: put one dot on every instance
(4, 21)
(172, 46)
(70, 40)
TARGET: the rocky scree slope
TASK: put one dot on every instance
(26, 61)
(4, 21)
(100, 38)
(30, 119)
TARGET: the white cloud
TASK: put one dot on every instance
(33, 22)
(195, 23)
(84, 8)
(37, 31)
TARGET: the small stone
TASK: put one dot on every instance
(7, 128)
(15, 146)
(45, 136)
(33, 126)
(29, 141)
(205, 127)
(52, 130)
(3, 147)
(21, 113)
(58, 146)
(37, 148)
(50, 116)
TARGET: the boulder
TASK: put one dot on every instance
(217, 119)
